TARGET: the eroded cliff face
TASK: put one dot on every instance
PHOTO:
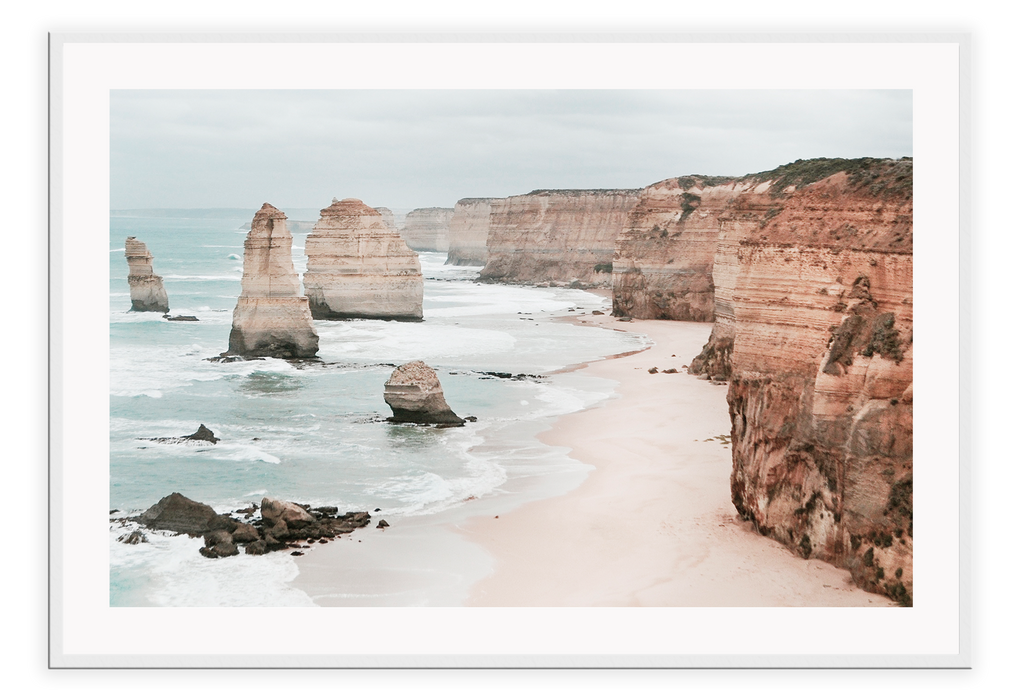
(426, 229)
(467, 235)
(557, 236)
(387, 215)
(271, 318)
(146, 288)
(814, 327)
(358, 268)
(665, 254)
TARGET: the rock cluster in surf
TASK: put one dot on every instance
(146, 288)
(358, 268)
(281, 525)
(272, 317)
(413, 392)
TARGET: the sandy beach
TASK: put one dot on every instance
(653, 524)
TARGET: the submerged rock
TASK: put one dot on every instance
(414, 394)
(271, 318)
(147, 289)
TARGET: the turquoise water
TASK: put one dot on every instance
(315, 433)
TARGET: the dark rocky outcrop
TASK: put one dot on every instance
(282, 524)
(178, 513)
(200, 434)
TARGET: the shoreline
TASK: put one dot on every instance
(652, 524)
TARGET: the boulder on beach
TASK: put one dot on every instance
(275, 511)
(414, 394)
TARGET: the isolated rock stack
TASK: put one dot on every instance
(271, 318)
(414, 394)
(358, 268)
(147, 289)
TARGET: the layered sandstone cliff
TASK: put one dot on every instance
(358, 268)
(665, 254)
(556, 236)
(271, 318)
(814, 326)
(467, 235)
(146, 288)
(426, 229)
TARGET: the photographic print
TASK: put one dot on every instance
(552, 347)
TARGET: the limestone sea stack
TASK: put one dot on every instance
(358, 268)
(426, 229)
(556, 236)
(147, 289)
(272, 317)
(467, 235)
(414, 394)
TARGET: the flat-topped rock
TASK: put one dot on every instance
(272, 317)
(146, 288)
(359, 268)
(426, 229)
(414, 394)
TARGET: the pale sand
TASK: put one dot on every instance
(653, 524)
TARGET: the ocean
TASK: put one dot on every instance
(314, 432)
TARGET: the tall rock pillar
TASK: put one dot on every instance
(272, 317)
(147, 289)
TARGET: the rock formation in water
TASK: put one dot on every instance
(414, 394)
(557, 236)
(467, 235)
(178, 513)
(813, 282)
(147, 289)
(358, 268)
(272, 317)
(426, 229)
(281, 525)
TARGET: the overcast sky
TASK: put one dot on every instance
(414, 148)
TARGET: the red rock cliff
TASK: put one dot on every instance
(814, 326)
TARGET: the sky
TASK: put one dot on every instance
(416, 148)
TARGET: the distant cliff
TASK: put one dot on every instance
(813, 303)
(426, 229)
(559, 236)
(467, 235)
